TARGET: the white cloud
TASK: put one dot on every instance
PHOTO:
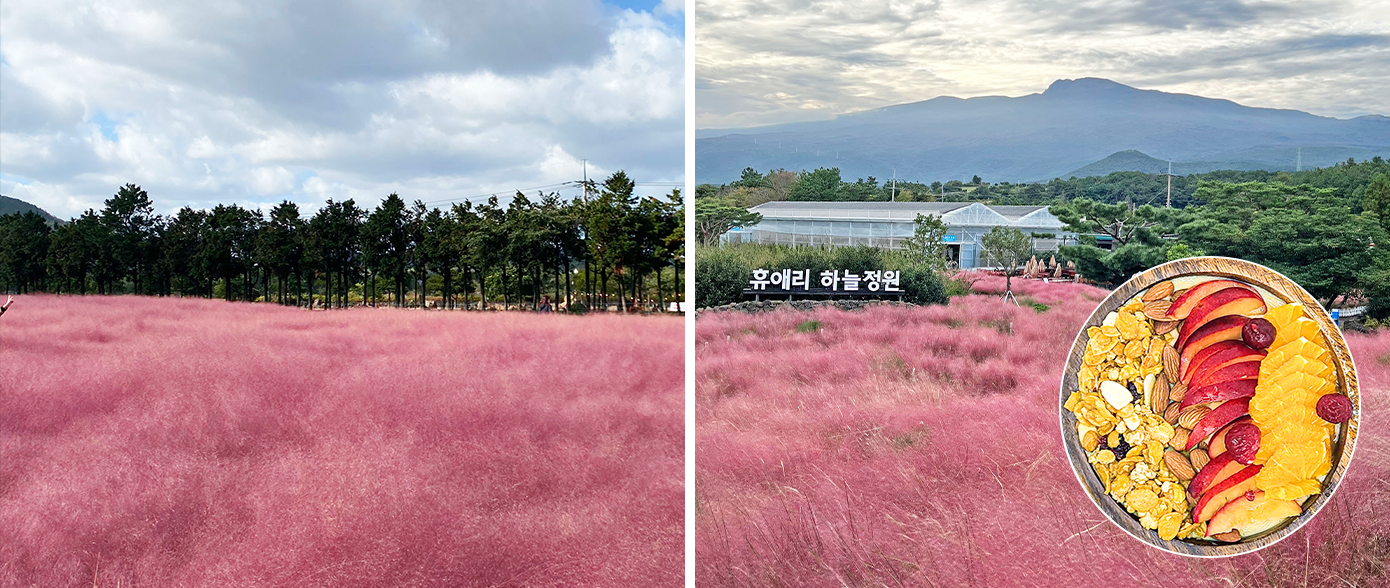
(768, 61)
(251, 102)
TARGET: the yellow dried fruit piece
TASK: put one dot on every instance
(1132, 326)
(1090, 441)
(1194, 530)
(1104, 456)
(1154, 455)
(1169, 525)
(1103, 473)
(1142, 500)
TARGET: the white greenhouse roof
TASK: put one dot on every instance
(951, 213)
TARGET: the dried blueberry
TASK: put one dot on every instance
(1121, 449)
(1133, 392)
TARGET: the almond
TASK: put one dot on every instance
(1179, 465)
(1162, 327)
(1171, 361)
(1177, 392)
(1177, 293)
(1189, 417)
(1158, 397)
(1171, 415)
(1159, 291)
(1199, 459)
(1157, 310)
(1227, 537)
(1179, 437)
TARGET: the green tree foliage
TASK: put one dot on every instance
(821, 184)
(280, 245)
(1377, 200)
(750, 178)
(1306, 233)
(719, 278)
(1178, 251)
(716, 216)
(926, 245)
(386, 244)
(131, 222)
(1006, 248)
(1111, 268)
(23, 249)
(343, 254)
(1123, 223)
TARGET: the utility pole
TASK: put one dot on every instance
(586, 179)
(1170, 183)
(894, 192)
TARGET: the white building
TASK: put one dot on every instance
(887, 224)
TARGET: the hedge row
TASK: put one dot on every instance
(721, 273)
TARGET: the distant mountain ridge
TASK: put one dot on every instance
(1074, 126)
(16, 206)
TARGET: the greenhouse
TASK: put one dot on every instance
(887, 224)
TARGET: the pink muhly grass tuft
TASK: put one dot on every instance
(164, 442)
(919, 447)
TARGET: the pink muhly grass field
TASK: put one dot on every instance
(920, 447)
(162, 442)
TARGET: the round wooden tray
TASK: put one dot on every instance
(1281, 287)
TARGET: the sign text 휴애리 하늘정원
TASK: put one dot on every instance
(828, 282)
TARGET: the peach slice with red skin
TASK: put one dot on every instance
(1245, 370)
(1231, 301)
(1218, 356)
(1251, 511)
(1183, 305)
(1217, 470)
(1226, 328)
(1217, 445)
(1217, 418)
(1234, 486)
(1220, 392)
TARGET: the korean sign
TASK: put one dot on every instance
(805, 281)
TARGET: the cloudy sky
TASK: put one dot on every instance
(770, 61)
(257, 101)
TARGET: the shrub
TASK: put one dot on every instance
(815, 259)
(957, 286)
(858, 259)
(923, 286)
(719, 278)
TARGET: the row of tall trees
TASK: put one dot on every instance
(610, 247)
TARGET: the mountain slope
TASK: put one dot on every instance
(1040, 136)
(16, 206)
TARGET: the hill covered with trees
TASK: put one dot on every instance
(16, 206)
(1044, 135)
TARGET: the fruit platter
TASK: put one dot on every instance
(1209, 406)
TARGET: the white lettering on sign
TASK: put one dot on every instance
(835, 280)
